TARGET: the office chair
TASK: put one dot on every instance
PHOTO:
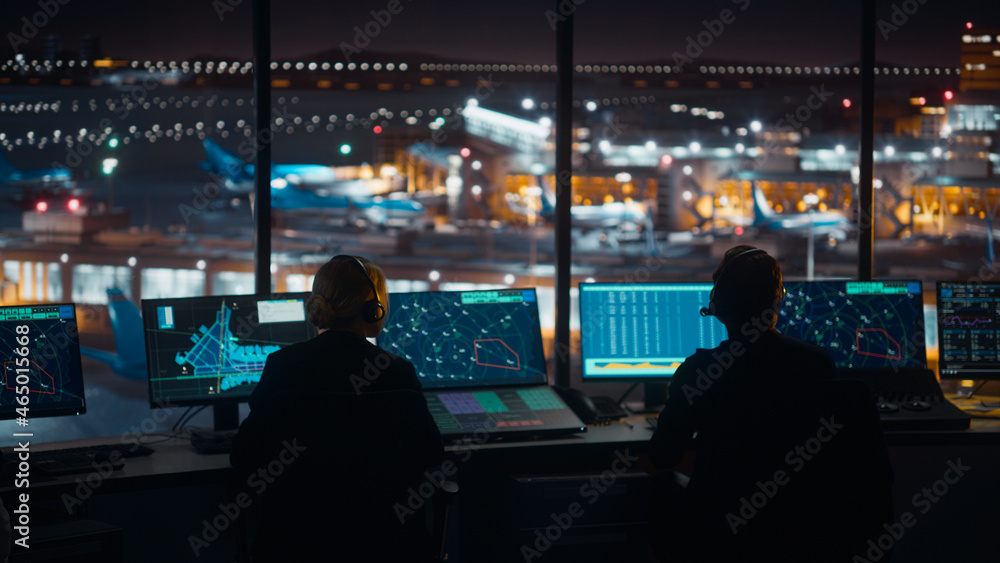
(835, 491)
(360, 456)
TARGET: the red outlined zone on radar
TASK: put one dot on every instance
(8, 369)
(889, 340)
(478, 343)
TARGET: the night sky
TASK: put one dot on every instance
(816, 32)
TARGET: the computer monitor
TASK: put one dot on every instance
(40, 349)
(480, 360)
(642, 332)
(863, 324)
(211, 350)
(461, 339)
(968, 342)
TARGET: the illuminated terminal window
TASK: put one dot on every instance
(234, 283)
(90, 283)
(162, 283)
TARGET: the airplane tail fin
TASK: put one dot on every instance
(761, 209)
(6, 168)
(221, 161)
(990, 251)
(126, 324)
(548, 197)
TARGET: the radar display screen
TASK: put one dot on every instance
(40, 350)
(876, 324)
(201, 350)
(467, 338)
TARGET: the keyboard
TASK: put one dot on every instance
(83, 459)
(607, 408)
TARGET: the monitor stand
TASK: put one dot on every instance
(654, 397)
(219, 440)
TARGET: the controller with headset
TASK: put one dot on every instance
(372, 311)
(711, 310)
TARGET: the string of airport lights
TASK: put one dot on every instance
(381, 117)
(244, 67)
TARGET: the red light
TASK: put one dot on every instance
(968, 25)
(666, 160)
(922, 100)
(948, 94)
(739, 230)
(847, 103)
(42, 206)
(377, 129)
(73, 204)
(465, 152)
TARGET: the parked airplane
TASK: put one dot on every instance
(313, 187)
(828, 223)
(615, 215)
(126, 325)
(239, 175)
(30, 177)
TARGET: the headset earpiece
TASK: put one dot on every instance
(372, 310)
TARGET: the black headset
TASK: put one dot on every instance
(372, 310)
(711, 309)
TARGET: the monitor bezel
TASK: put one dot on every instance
(379, 341)
(922, 325)
(77, 363)
(940, 336)
(149, 305)
(654, 379)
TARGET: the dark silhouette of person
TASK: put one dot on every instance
(746, 408)
(326, 489)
